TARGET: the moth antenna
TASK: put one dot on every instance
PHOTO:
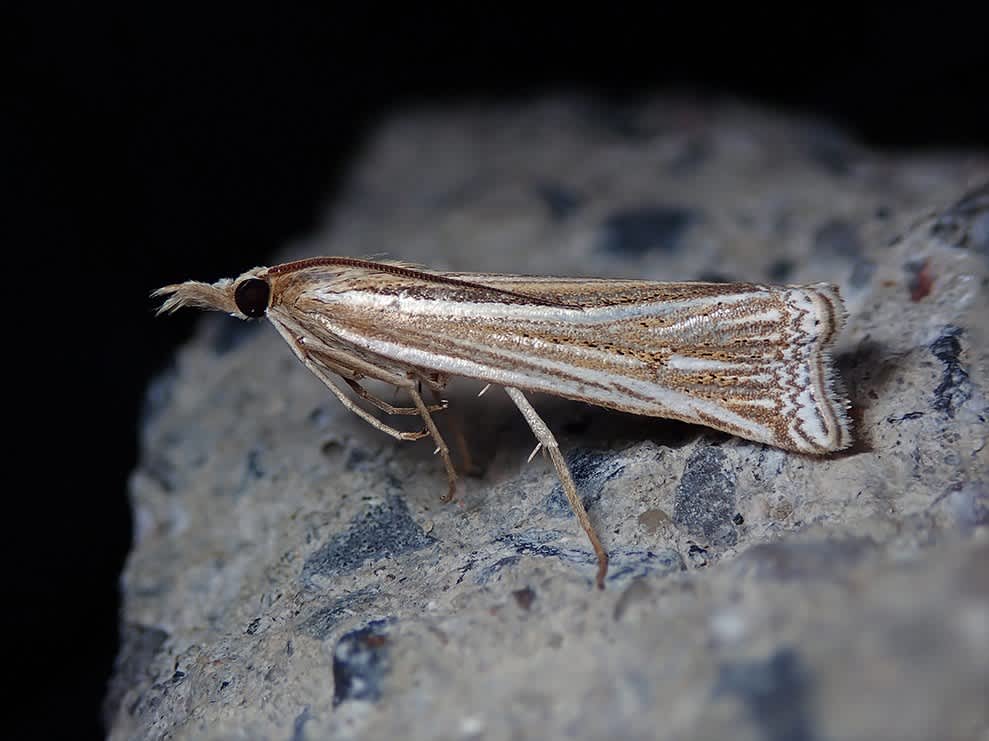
(216, 297)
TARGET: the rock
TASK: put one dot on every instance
(705, 497)
(294, 574)
(637, 231)
(360, 663)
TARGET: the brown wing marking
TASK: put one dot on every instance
(406, 272)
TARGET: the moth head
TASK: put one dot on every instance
(245, 297)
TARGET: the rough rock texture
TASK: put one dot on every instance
(295, 575)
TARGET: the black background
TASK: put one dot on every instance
(156, 143)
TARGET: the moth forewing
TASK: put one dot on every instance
(749, 359)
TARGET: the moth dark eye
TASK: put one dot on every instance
(251, 297)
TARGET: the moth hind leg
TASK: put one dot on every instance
(545, 437)
(455, 424)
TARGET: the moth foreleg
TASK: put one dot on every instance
(351, 405)
(545, 436)
(384, 405)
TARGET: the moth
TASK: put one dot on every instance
(748, 359)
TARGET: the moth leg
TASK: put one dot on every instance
(441, 448)
(456, 423)
(544, 436)
(352, 405)
(384, 405)
(297, 343)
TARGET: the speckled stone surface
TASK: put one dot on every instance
(295, 576)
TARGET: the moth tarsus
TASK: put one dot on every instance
(749, 359)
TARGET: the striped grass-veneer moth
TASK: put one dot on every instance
(749, 359)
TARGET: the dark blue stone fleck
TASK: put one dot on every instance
(384, 530)
(954, 388)
(862, 273)
(895, 420)
(776, 693)
(837, 238)
(705, 497)
(484, 575)
(139, 644)
(785, 561)
(590, 469)
(920, 281)
(320, 417)
(255, 469)
(969, 506)
(978, 233)
(299, 725)
(620, 120)
(226, 334)
(831, 149)
(694, 153)
(698, 555)
(322, 622)
(714, 276)
(560, 200)
(634, 232)
(158, 395)
(357, 459)
(539, 543)
(624, 563)
(966, 223)
(780, 270)
(159, 468)
(361, 663)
